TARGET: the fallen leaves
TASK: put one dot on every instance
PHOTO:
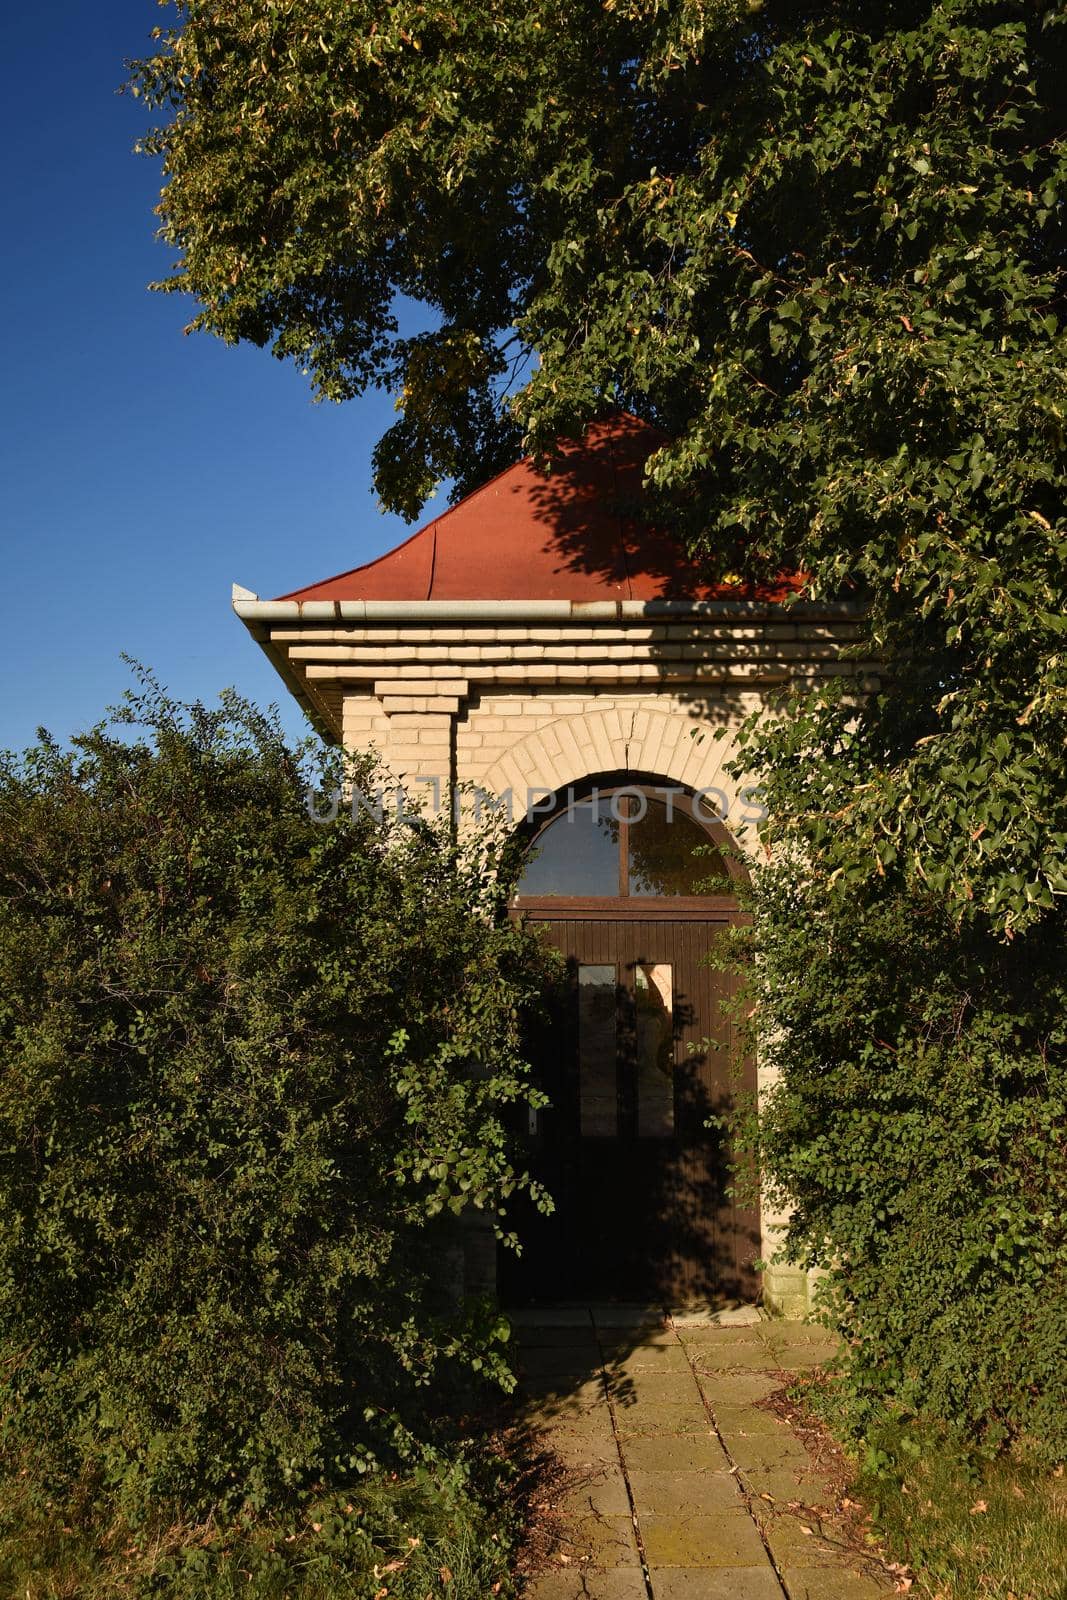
(905, 1579)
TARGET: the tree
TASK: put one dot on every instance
(822, 245)
(252, 1064)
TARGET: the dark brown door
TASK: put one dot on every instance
(636, 1057)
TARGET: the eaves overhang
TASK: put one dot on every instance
(307, 641)
(251, 609)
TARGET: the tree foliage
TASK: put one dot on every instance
(822, 245)
(253, 1064)
(917, 1136)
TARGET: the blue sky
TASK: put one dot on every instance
(143, 472)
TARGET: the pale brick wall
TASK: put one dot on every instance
(528, 742)
(364, 724)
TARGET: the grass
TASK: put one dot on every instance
(962, 1528)
(403, 1538)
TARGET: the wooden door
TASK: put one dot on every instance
(638, 1177)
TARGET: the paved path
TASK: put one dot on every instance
(678, 1485)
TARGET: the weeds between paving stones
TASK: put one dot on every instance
(794, 1524)
(854, 1521)
(678, 1481)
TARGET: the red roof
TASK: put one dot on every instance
(571, 535)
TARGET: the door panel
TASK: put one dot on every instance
(638, 1178)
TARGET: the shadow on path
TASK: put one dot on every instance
(675, 1480)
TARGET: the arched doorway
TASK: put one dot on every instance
(633, 883)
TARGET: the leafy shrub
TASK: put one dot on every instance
(917, 1131)
(253, 1065)
(441, 1529)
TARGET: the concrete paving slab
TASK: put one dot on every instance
(653, 1358)
(816, 1583)
(756, 1449)
(600, 1493)
(584, 1583)
(546, 1415)
(610, 1319)
(708, 1333)
(586, 1386)
(797, 1541)
(671, 1453)
(802, 1484)
(546, 1399)
(550, 1317)
(662, 1388)
(601, 1541)
(620, 1390)
(576, 1337)
(798, 1332)
(639, 1434)
(736, 1388)
(583, 1448)
(651, 1418)
(543, 1418)
(739, 1355)
(802, 1357)
(592, 1426)
(706, 1539)
(578, 1362)
(710, 1583)
(751, 1420)
(614, 1341)
(802, 1336)
(684, 1493)
(710, 1316)
(589, 1419)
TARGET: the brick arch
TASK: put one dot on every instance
(669, 745)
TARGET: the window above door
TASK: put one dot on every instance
(635, 849)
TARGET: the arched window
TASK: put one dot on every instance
(635, 842)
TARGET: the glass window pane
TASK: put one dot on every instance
(578, 854)
(598, 1092)
(670, 854)
(653, 992)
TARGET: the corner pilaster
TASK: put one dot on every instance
(420, 736)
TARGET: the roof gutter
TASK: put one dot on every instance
(251, 609)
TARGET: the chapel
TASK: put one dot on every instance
(542, 648)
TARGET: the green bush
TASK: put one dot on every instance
(253, 1065)
(917, 1132)
(436, 1531)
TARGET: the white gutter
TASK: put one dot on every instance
(251, 609)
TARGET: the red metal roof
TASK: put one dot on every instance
(570, 535)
